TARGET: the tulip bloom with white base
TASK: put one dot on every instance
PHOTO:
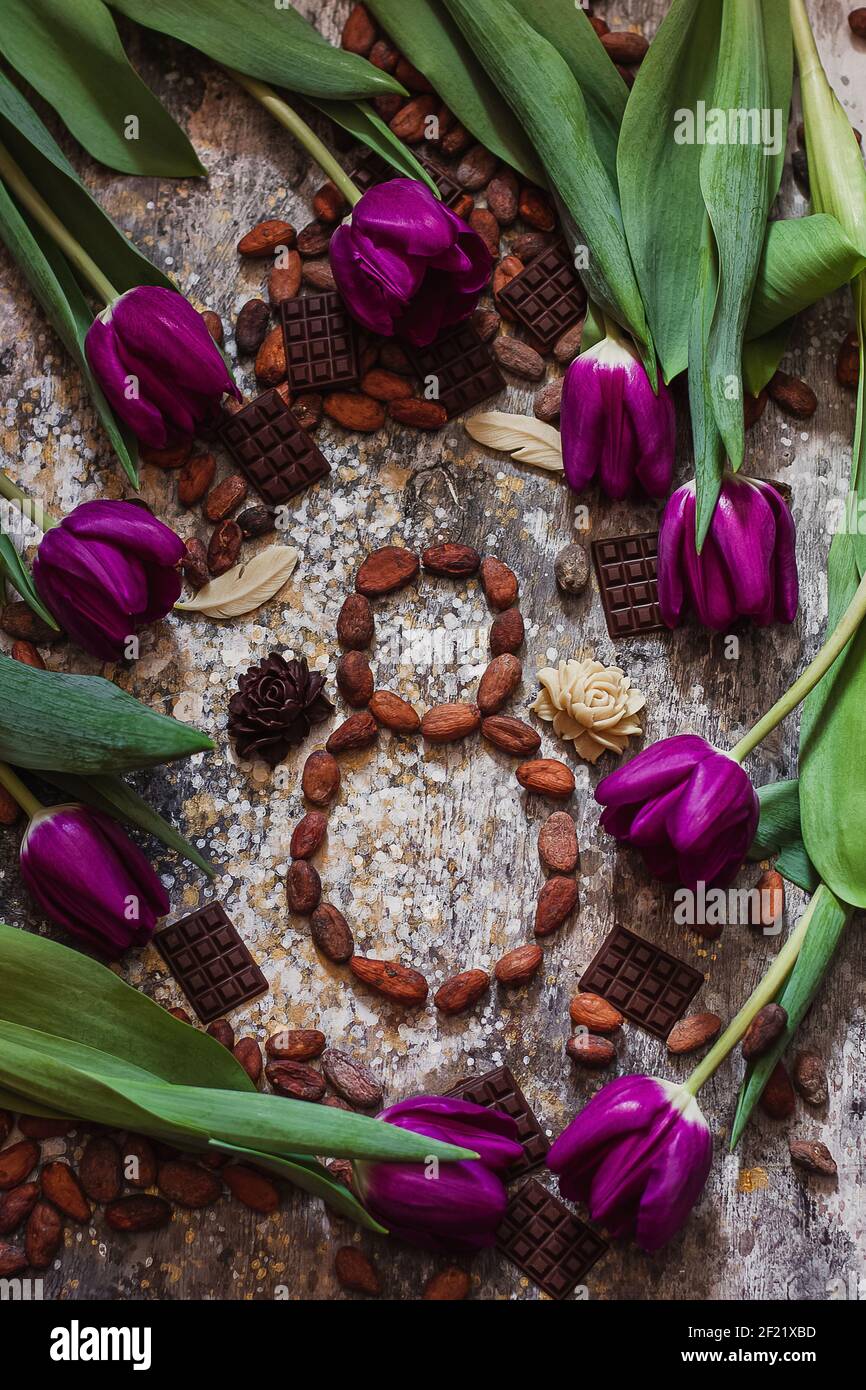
(638, 1156)
(615, 429)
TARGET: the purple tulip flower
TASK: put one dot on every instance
(406, 264)
(747, 567)
(107, 570)
(613, 425)
(158, 365)
(638, 1156)
(448, 1206)
(690, 810)
(88, 876)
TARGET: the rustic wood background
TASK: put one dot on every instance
(432, 855)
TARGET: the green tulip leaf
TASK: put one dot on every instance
(431, 40)
(360, 120)
(72, 56)
(48, 169)
(779, 833)
(271, 42)
(829, 917)
(736, 182)
(14, 569)
(116, 798)
(83, 724)
(544, 94)
(659, 174)
(76, 1038)
(57, 290)
(567, 27)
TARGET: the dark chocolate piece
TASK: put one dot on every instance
(547, 297)
(270, 447)
(372, 169)
(210, 962)
(464, 369)
(627, 571)
(319, 337)
(548, 1242)
(450, 190)
(498, 1090)
(649, 986)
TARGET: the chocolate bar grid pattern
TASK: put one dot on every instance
(321, 351)
(210, 962)
(450, 190)
(276, 454)
(465, 371)
(642, 981)
(548, 1242)
(498, 1090)
(627, 570)
(547, 296)
(372, 169)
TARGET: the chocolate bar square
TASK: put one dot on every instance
(370, 169)
(320, 343)
(463, 367)
(548, 1242)
(210, 962)
(547, 297)
(649, 986)
(627, 571)
(498, 1090)
(449, 189)
(270, 447)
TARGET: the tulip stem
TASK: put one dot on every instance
(818, 667)
(764, 993)
(282, 112)
(35, 204)
(16, 788)
(28, 506)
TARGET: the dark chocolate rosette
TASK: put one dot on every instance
(276, 704)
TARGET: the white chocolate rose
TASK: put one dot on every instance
(592, 704)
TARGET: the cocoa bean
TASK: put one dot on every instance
(188, 1185)
(141, 1212)
(352, 1080)
(331, 933)
(308, 835)
(303, 887)
(295, 1080)
(251, 327)
(249, 1054)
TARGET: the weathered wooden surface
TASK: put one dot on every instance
(432, 855)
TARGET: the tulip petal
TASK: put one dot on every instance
(89, 877)
(583, 424)
(677, 523)
(744, 531)
(110, 370)
(126, 525)
(652, 771)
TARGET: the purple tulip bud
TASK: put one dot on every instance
(638, 1156)
(406, 264)
(107, 570)
(88, 876)
(613, 425)
(747, 567)
(447, 1206)
(158, 365)
(689, 809)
